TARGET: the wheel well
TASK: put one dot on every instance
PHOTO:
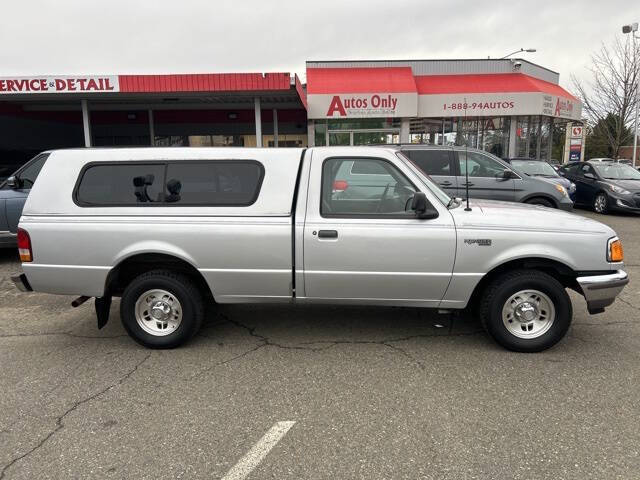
(122, 274)
(561, 272)
(543, 197)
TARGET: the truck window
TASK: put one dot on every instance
(214, 182)
(209, 182)
(384, 193)
(120, 184)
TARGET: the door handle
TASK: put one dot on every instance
(445, 184)
(467, 184)
(328, 234)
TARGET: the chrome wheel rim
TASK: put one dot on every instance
(600, 203)
(158, 312)
(528, 314)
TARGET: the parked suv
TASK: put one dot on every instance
(489, 177)
(605, 185)
(542, 170)
(13, 194)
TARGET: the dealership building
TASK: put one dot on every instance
(509, 107)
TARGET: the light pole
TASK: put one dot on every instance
(530, 50)
(632, 28)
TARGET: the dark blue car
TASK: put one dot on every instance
(13, 194)
(544, 171)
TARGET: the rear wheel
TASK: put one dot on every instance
(540, 201)
(161, 309)
(526, 310)
(601, 203)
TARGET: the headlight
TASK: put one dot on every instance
(616, 189)
(614, 250)
(562, 190)
(572, 187)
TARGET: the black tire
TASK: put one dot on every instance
(185, 291)
(605, 203)
(502, 288)
(540, 201)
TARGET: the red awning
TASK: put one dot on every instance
(360, 80)
(487, 83)
(206, 82)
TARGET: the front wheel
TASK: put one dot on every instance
(161, 309)
(601, 203)
(526, 311)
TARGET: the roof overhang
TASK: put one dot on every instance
(362, 92)
(213, 90)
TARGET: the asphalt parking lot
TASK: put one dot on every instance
(374, 393)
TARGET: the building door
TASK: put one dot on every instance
(339, 139)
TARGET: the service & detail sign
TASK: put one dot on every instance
(59, 84)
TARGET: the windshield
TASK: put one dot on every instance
(534, 168)
(433, 186)
(616, 171)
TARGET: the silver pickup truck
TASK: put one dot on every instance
(170, 229)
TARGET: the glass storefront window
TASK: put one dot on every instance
(375, 138)
(362, 123)
(494, 135)
(545, 138)
(320, 137)
(522, 137)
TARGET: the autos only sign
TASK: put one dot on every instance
(362, 105)
(58, 84)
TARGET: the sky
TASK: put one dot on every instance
(184, 36)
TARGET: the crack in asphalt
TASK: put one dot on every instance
(265, 341)
(626, 302)
(60, 419)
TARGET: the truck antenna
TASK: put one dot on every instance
(466, 158)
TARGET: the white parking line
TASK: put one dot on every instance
(260, 450)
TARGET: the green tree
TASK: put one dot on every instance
(598, 143)
(609, 98)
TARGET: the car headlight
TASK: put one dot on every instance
(616, 189)
(572, 187)
(562, 190)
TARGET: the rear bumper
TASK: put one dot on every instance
(601, 290)
(21, 283)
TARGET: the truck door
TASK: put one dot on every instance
(366, 245)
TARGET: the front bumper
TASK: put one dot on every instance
(601, 290)
(21, 283)
(625, 203)
(565, 204)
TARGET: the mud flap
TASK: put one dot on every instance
(103, 307)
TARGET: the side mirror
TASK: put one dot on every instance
(13, 182)
(590, 176)
(421, 206)
(508, 174)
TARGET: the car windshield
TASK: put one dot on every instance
(433, 186)
(616, 171)
(534, 168)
